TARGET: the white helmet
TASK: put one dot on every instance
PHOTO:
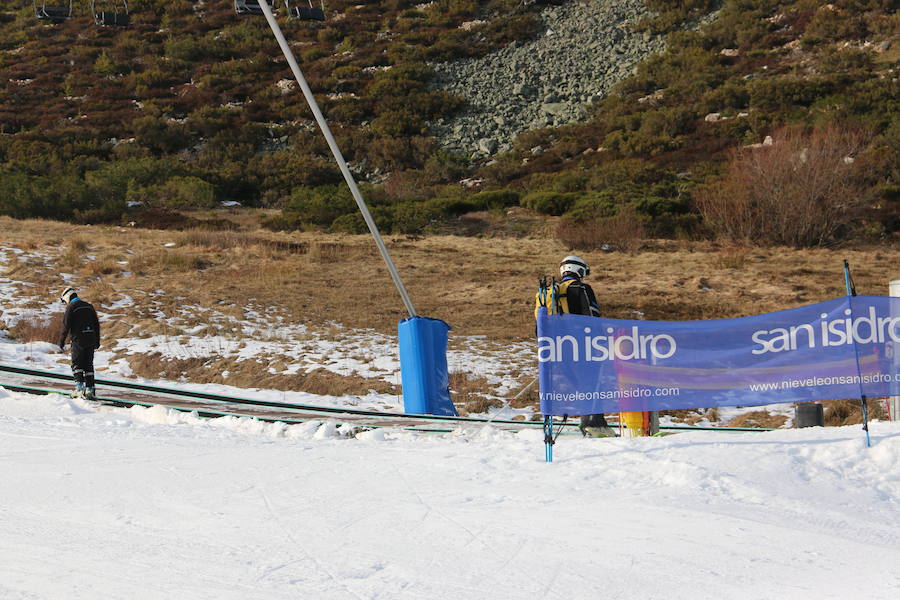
(574, 265)
(67, 295)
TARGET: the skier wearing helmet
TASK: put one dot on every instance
(576, 297)
(80, 321)
(579, 296)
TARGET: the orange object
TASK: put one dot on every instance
(638, 423)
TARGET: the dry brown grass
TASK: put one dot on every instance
(237, 240)
(468, 394)
(100, 266)
(479, 286)
(624, 232)
(849, 411)
(254, 374)
(38, 329)
(486, 286)
(733, 256)
(758, 418)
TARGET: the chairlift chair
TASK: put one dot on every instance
(247, 7)
(52, 13)
(111, 17)
(306, 13)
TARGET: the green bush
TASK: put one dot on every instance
(350, 223)
(113, 179)
(414, 217)
(398, 123)
(592, 207)
(354, 223)
(195, 49)
(782, 93)
(494, 199)
(443, 166)
(450, 207)
(24, 196)
(320, 206)
(550, 203)
(313, 54)
(177, 192)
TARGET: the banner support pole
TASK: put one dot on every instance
(864, 403)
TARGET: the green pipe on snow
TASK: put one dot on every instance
(333, 410)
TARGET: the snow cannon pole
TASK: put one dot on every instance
(338, 157)
(864, 403)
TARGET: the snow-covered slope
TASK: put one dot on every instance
(142, 503)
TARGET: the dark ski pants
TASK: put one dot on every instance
(83, 364)
(593, 421)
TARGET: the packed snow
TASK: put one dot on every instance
(101, 502)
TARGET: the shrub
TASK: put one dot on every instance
(623, 231)
(177, 192)
(451, 207)
(591, 207)
(413, 217)
(494, 199)
(799, 192)
(398, 123)
(550, 203)
(786, 92)
(354, 223)
(281, 222)
(321, 205)
(23, 196)
(443, 166)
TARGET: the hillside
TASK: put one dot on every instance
(192, 105)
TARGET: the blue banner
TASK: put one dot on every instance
(840, 348)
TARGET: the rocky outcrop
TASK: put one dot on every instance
(586, 47)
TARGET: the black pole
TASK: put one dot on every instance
(864, 403)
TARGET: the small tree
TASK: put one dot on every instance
(798, 191)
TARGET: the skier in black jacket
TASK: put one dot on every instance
(577, 298)
(81, 322)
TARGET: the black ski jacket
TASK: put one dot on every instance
(81, 322)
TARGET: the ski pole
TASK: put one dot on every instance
(864, 403)
(548, 439)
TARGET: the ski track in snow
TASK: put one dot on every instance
(150, 503)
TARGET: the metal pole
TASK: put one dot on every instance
(863, 401)
(342, 164)
(894, 401)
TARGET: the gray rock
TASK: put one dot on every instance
(487, 146)
(555, 108)
(550, 79)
